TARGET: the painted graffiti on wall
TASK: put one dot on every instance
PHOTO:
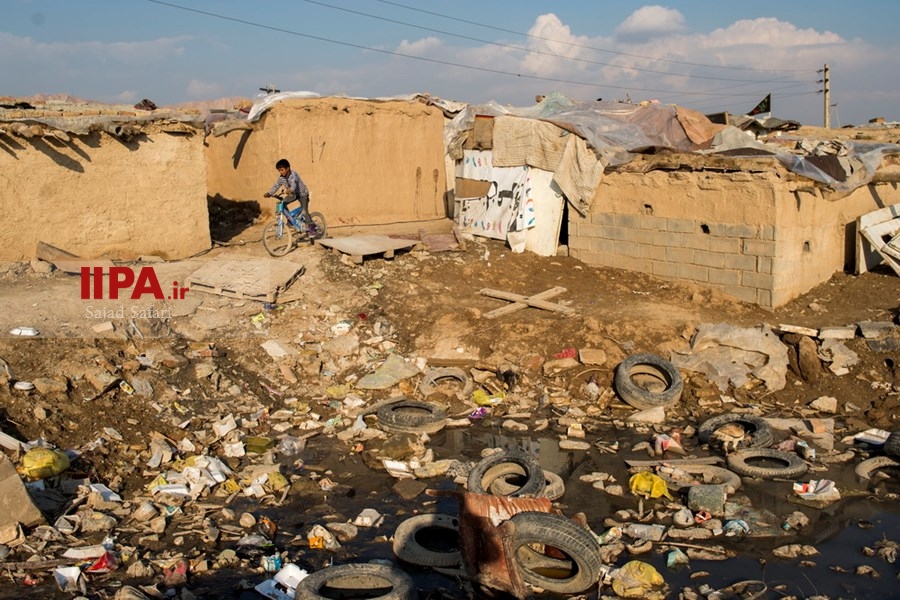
(506, 210)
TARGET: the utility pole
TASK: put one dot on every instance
(826, 86)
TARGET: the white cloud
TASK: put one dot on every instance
(555, 46)
(650, 21)
(419, 47)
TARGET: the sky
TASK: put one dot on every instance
(709, 56)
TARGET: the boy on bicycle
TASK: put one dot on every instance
(290, 187)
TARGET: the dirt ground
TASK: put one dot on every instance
(208, 360)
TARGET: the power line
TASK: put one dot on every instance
(422, 58)
(575, 45)
(528, 50)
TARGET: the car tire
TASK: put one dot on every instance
(866, 468)
(507, 484)
(794, 466)
(412, 416)
(892, 445)
(647, 381)
(761, 432)
(408, 549)
(577, 543)
(358, 577)
(495, 466)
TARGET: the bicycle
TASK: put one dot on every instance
(278, 236)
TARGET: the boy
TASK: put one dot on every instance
(294, 189)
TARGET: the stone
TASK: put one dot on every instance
(409, 488)
(838, 333)
(344, 532)
(826, 404)
(557, 365)
(16, 505)
(592, 356)
(710, 498)
(872, 330)
(654, 415)
(808, 359)
(51, 385)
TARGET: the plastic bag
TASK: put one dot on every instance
(40, 463)
(648, 485)
(635, 579)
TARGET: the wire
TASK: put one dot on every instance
(428, 60)
(574, 45)
(527, 50)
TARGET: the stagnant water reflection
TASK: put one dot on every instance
(839, 532)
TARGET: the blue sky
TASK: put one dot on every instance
(711, 56)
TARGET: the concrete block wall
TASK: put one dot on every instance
(734, 258)
(764, 237)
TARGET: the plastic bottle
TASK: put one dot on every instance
(654, 533)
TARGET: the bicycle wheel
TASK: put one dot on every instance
(278, 237)
(318, 220)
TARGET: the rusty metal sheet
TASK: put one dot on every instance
(485, 539)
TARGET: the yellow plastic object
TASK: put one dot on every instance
(277, 481)
(40, 463)
(648, 485)
(317, 543)
(482, 398)
(636, 579)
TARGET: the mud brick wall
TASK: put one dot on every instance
(98, 196)
(764, 237)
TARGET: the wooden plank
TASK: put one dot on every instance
(536, 303)
(246, 280)
(366, 245)
(505, 310)
(866, 255)
(68, 262)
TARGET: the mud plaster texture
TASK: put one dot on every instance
(365, 162)
(100, 197)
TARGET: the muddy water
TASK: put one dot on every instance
(839, 532)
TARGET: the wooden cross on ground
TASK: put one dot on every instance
(538, 300)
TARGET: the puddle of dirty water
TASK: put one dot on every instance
(839, 532)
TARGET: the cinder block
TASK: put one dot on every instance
(579, 243)
(630, 249)
(724, 276)
(740, 262)
(746, 294)
(757, 280)
(642, 236)
(725, 245)
(633, 221)
(698, 241)
(590, 230)
(681, 225)
(653, 223)
(693, 272)
(653, 252)
(764, 265)
(603, 245)
(665, 269)
(617, 233)
(767, 232)
(759, 247)
(681, 255)
(667, 239)
(709, 259)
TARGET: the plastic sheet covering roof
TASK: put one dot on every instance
(618, 131)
